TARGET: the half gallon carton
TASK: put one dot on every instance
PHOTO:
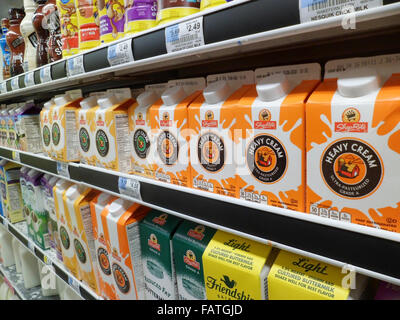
(170, 134)
(353, 145)
(65, 228)
(77, 204)
(112, 133)
(294, 277)
(102, 246)
(45, 126)
(211, 121)
(64, 134)
(43, 235)
(122, 218)
(27, 128)
(190, 241)
(29, 199)
(11, 192)
(140, 129)
(10, 120)
(3, 127)
(156, 232)
(49, 203)
(270, 125)
(236, 268)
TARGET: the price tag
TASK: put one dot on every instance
(75, 66)
(129, 187)
(185, 35)
(47, 261)
(62, 169)
(120, 53)
(45, 74)
(14, 83)
(3, 87)
(16, 157)
(29, 79)
(74, 284)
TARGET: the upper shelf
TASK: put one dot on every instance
(238, 28)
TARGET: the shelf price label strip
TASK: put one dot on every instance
(45, 74)
(14, 83)
(62, 169)
(29, 79)
(75, 66)
(129, 187)
(120, 53)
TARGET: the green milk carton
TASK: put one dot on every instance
(189, 242)
(156, 231)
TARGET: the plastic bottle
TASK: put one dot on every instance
(89, 24)
(5, 25)
(140, 15)
(69, 27)
(54, 43)
(29, 34)
(112, 19)
(16, 42)
(170, 10)
(30, 270)
(42, 34)
(15, 247)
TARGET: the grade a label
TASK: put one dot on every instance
(120, 53)
(185, 35)
(14, 83)
(129, 187)
(75, 66)
(45, 74)
(29, 79)
(313, 10)
(62, 169)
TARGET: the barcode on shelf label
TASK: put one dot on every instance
(29, 79)
(45, 74)
(129, 187)
(3, 87)
(15, 156)
(14, 83)
(120, 53)
(62, 169)
(185, 35)
(313, 10)
(74, 284)
(75, 66)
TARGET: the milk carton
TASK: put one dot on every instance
(236, 268)
(102, 246)
(112, 133)
(156, 232)
(122, 219)
(64, 136)
(294, 277)
(212, 119)
(189, 243)
(55, 243)
(270, 128)
(27, 127)
(3, 127)
(22, 182)
(77, 204)
(170, 134)
(10, 126)
(44, 235)
(140, 128)
(11, 192)
(45, 126)
(64, 228)
(353, 146)
(28, 199)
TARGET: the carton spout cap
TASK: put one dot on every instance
(173, 95)
(118, 207)
(48, 104)
(108, 101)
(89, 102)
(360, 84)
(147, 98)
(273, 87)
(217, 92)
(63, 100)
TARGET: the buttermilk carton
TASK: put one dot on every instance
(140, 128)
(156, 232)
(11, 192)
(112, 132)
(353, 148)
(294, 277)
(77, 204)
(102, 246)
(211, 119)
(189, 243)
(122, 218)
(270, 128)
(27, 128)
(236, 268)
(45, 126)
(170, 134)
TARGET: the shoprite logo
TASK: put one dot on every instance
(84, 139)
(102, 143)
(226, 286)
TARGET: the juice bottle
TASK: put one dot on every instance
(16, 42)
(170, 10)
(5, 25)
(140, 15)
(89, 24)
(42, 34)
(29, 34)
(112, 19)
(54, 43)
(69, 27)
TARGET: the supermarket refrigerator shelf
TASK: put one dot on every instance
(19, 231)
(369, 251)
(264, 25)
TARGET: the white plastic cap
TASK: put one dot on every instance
(89, 102)
(118, 207)
(273, 87)
(173, 95)
(63, 100)
(103, 198)
(147, 98)
(217, 91)
(29, 4)
(108, 101)
(49, 104)
(361, 84)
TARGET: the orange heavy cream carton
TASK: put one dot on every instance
(270, 128)
(64, 227)
(353, 143)
(139, 128)
(211, 121)
(45, 126)
(77, 201)
(102, 246)
(170, 133)
(294, 277)
(112, 133)
(122, 219)
(64, 134)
